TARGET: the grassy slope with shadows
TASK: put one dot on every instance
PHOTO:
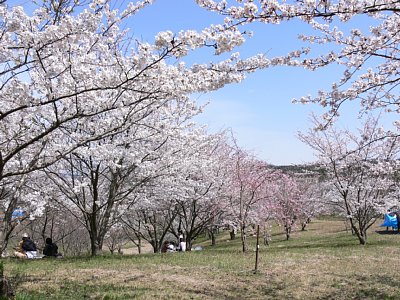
(324, 262)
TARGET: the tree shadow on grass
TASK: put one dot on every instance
(389, 232)
(324, 245)
(364, 287)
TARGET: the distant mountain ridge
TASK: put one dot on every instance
(309, 169)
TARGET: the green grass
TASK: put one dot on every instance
(323, 262)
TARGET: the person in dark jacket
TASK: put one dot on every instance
(398, 221)
(51, 249)
(26, 248)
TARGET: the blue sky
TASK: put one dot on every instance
(258, 110)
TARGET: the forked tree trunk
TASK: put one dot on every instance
(211, 235)
(288, 231)
(189, 244)
(361, 233)
(94, 247)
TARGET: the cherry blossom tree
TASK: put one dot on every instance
(96, 191)
(115, 239)
(200, 200)
(247, 191)
(310, 203)
(151, 218)
(360, 168)
(186, 196)
(289, 202)
(65, 66)
(103, 179)
(369, 57)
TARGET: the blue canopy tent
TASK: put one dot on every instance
(390, 221)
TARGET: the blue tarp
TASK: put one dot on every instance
(390, 221)
(18, 213)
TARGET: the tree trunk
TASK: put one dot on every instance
(362, 240)
(100, 241)
(243, 238)
(93, 234)
(304, 224)
(361, 233)
(156, 246)
(7, 226)
(232, 234)
(3, 240)
(213, 241)
(5, 234)
(188, 241)
(362, 236)
(211, 234)
(6, 290)
(139, 245)
(288, 230)
(93, 246)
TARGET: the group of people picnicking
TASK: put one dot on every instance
(27, 248)
(170, 246)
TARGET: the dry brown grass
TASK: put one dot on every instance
(323, 262)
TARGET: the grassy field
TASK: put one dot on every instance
(324, 262)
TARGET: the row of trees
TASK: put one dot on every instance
(195, 187)
(95, 124)
(87, 108)
(211, 183)
(361, 167)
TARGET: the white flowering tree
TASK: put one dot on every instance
(201, 180)
(65, 66)
(151, 217)
(368, 56)
(361, 169)
(93, 191)
(185, 196)
(103, 179)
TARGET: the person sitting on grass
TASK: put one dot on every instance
(51, 249)
(168, 246)
(26, 248)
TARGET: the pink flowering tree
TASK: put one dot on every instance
(246, 191)
(288, 201)
(311, 202)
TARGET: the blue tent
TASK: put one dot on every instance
(390, 221)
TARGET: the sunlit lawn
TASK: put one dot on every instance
(324, 262)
